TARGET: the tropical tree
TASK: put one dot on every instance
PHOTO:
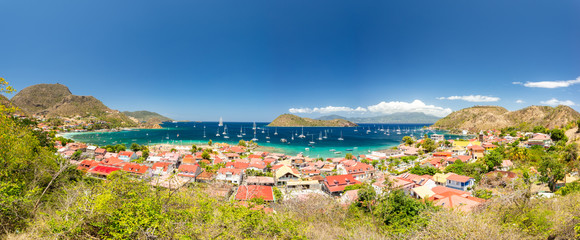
(551, 171)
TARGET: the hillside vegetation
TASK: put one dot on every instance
(148, 117)
(493, 117)
(289, 120)
(56, 100)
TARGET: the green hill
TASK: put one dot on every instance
(494, 117)
(289, 120)
(56, 100)
(148, 119)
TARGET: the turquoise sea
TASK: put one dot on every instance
(356, 140)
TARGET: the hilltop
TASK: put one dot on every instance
(289, 120)
(148, 119)
(389, 118)
(56, 100)
(494, 117)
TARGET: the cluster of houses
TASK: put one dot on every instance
(256, 174)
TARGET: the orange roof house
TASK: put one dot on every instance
(190, 171)
(135, 168)
(255, 191)
(336, 184)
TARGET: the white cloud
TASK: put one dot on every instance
(415, 106)
(520, 101)
(326, 110)
(550, 84)
(472, 98)
(556, 102)
(381, 108)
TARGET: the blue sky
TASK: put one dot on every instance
(254, 60)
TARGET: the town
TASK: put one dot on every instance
(449, 173)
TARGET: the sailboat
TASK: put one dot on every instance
(320, 136)
(340, 138)
(312, 141)
(268, 137)
(292, 137)
(276, 132)
(221, 122)
(240, 135)
(254, 139)
(302, 134)
(325, 134)
(203, 131)
(226, 132)
(218, 132)
(254, 127)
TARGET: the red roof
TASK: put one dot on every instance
(463, 158)
(237, 165)
(103, 170)
(339, 182)
(255, 191)
(87, 164)
(163, 165)
(476, 148)
(126, 153)
(359, 168)
(442, 190)
(442, 154)
(135, 168)
(230, 170)
(113, 161)
(188, 170)
(459, 178)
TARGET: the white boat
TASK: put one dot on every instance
(340, 138)
(268, 137)
(320, 136)
(307, 149)
(325, 134)
(276, 132)
(221, 123)
(302, 134)
(312, 141)
(225, 130)
(337, 152)
(254, 139)
(218, 133)
(203, 131)
(254, 127)
(283, 140)
(332, 150)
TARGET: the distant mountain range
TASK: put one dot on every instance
(289, 120)
(494, 117)
(399, 118)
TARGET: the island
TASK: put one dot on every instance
(290, 120)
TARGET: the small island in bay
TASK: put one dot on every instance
(290, 120)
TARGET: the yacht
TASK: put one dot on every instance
(302, 134)
(240, 135)
(218, 133)
(276, 132)
(340, 138)
(283, 140)
(320, 137)
(312, 141)
(221, 123)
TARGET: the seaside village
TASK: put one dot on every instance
(239, 173)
